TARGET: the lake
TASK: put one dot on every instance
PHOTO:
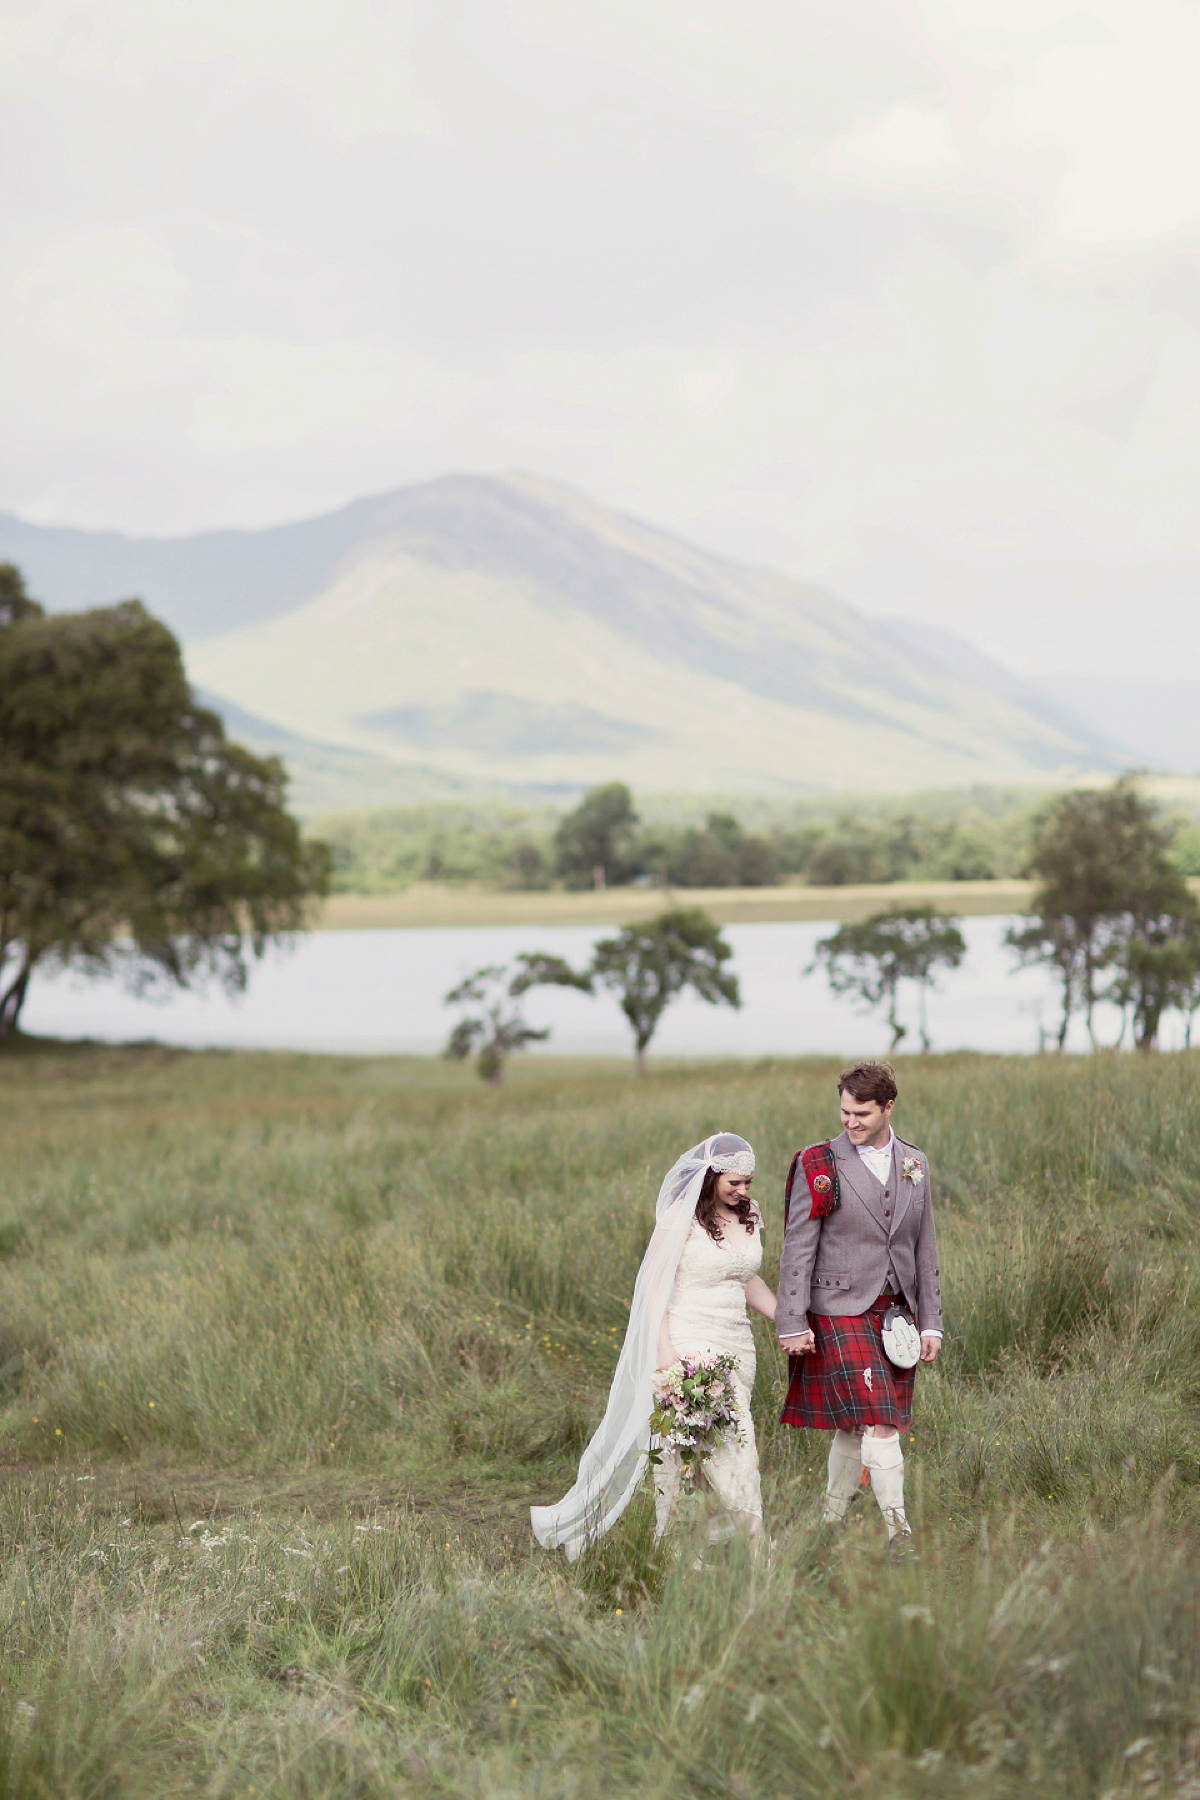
(382, 991)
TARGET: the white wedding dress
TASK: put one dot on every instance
(707, 1314)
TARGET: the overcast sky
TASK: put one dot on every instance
(902, 295)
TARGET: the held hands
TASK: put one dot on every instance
(804, 1343)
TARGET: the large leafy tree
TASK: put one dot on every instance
(593, 843)
(1112, 915)
(647, 965)
(871, 957)
(131, 832)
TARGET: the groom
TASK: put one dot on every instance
(858, 1239)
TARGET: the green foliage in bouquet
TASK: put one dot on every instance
(695, 1409)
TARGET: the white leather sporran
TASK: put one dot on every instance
(901, 1339)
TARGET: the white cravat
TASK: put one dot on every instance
(878, 1158)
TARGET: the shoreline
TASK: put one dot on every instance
(428, 905)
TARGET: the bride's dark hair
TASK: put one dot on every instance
(706, 1207)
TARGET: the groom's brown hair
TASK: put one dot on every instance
(869, 1081)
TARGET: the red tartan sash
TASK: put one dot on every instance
(820, 1172)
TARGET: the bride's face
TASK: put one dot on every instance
(732, 1188)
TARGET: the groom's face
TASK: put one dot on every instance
(865, 1121)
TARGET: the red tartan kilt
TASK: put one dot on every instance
(847, 1382)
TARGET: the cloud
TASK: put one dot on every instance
(1125, 112)
(906, 142)
(800, 281)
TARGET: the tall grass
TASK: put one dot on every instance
(373, 1309)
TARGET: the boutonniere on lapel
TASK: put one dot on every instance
(910, 1170)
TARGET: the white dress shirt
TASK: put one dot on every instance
(878, 1158)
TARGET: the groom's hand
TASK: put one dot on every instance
(929, 1348)
(802, 1344)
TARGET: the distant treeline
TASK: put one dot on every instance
(974, 835)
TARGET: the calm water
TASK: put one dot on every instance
(379, 991)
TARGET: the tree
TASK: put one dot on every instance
(722, 855)
(528, 868)
(708, 858)
(593, 842)
(132, 834)
(499, 1027)
(854, 854)
(1157, 978)
(647, 965)
(1108, 900)
(873, 956)
(1055, 943)
(1155, 948)
(860, 852)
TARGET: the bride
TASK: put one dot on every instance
(699, 1271)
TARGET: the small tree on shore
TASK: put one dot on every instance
(1057, 944)
(871, 957)
(1112, 914)
(498, 1025)
(647, 965)
(1155, 950)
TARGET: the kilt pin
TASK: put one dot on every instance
(847, 1238)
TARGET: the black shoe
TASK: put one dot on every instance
(901, 1550)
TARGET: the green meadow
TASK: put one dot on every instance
(289, 1344)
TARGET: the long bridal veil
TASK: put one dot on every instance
(614, 1462)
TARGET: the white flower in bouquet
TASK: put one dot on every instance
(694, 1410)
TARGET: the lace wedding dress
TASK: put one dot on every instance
(708, 1314)
(613, 1466)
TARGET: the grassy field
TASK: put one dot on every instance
(288, 1345)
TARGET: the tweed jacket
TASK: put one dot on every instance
(839, 1264)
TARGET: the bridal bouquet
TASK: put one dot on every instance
(695, 1408)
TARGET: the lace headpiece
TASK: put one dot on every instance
(734, 1157)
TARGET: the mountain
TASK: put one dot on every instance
(486, 630)
(327, 777)
(1158, 720)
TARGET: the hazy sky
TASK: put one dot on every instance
(903, 295)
